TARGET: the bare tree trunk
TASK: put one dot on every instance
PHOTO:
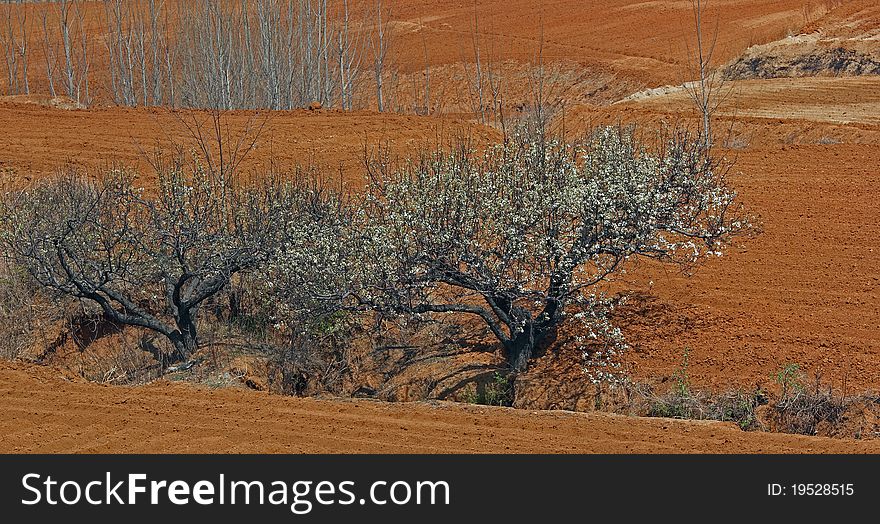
(349, 58)
(113, 66)
(520, 349)
(185, 339)
(478, 87)
(169, 56)
(10, 54)
(141, 55)
(23, 48)
(82, 86)
(705, 91)
(341, 50)
(155, 48)
(64, 22)
(50, 55)
(380, 52)
(703, 67)
(427, 73)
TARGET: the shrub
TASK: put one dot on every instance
(736, 406)
(801, 409)
(496, 392)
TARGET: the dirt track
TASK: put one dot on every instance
(44, 413)
(826, 100)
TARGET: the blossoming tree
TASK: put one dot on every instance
(151, 258)
(518, 235)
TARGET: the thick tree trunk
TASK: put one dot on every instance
(519, 351)
(535, 336)
(528, 345)
(184, 340)
(521, 347)
(178, 353)
(183, 349)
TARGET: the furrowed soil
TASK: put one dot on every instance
(805, 291)
(45, 413)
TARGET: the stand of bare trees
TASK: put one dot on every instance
(67, 50)
(61, 35)
(218, 54)
(235, 54)
(14, 37)
(140, 59)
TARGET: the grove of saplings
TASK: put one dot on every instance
(218, 54)
(519, 237)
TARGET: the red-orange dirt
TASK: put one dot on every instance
(601, 49)
(805, 291)
(38, 139)
(45, 413)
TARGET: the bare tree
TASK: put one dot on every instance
(496, 89)
(64, 23)
(707, 91)
(23, 27)
(478, 80)
(349, 56)
(119, 51)
(82, 80)
(379, 43)
(15, 40)
(427, 71)
(486, 77)
(157, 42)
(49, 52)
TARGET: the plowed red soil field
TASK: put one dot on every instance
(38, 140)
(805, 291)
(43, 412)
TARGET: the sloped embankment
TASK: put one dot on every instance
(807, 55)
(43, 412)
